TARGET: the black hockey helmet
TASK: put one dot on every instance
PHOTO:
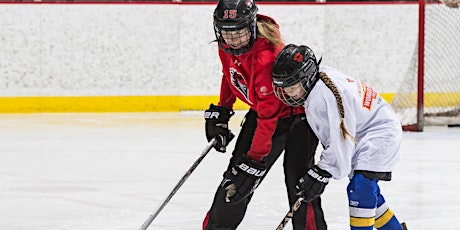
(235, 15)
(294, 64)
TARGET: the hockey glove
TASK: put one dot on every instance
(217, 118)
(242, 179)
(312, 184)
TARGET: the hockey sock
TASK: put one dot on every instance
(362, 198)
(385, 218)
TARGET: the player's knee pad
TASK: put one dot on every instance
(362, 197)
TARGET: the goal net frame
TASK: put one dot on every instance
(412, 103)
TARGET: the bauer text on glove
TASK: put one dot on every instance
(216, 126)
(242, 179)
(312, 184)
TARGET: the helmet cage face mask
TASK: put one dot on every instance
(292, 100)
(235, 25)
(294, 65)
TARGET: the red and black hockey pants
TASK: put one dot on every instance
(293, 135)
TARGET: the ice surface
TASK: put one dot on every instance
(111, 171)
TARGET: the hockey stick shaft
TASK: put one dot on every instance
(290, 214)
(179, 184)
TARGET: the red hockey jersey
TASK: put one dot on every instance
(248, 78)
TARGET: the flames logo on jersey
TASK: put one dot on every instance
(369, 96)
(239, 83)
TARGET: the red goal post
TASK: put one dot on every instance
(430, 92)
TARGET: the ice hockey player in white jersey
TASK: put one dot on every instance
(358, 129)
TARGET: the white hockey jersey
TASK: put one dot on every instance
(368, 118)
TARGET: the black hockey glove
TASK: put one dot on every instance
(242, 179)
(217, 118)
(312, 184)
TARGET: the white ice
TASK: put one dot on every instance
(111, 171)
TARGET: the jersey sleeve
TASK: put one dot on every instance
(269, 107)
(227, 97)
(324, 118)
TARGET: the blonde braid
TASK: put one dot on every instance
(338, 97)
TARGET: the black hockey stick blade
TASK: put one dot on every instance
(179, 184)
(404, 226)
(290, 214)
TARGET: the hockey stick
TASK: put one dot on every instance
(182, 180)
(290, 214)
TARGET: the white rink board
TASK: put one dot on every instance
(164, 49)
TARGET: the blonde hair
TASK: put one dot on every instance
(323, 76)
(268, 30)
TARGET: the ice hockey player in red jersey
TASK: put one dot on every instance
(359, 131)
(248, 44)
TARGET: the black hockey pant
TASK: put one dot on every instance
(299, 142)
